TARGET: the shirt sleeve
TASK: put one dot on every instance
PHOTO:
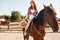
(29, 12)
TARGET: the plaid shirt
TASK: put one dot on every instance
(29, 12)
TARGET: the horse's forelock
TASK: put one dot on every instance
(51, 10)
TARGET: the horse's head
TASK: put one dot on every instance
(50, 18)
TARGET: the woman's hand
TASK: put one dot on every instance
(34, 14)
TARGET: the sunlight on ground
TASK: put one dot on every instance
(18, 35)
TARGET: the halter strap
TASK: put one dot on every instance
(39, 33)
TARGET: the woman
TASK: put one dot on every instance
(32, 12)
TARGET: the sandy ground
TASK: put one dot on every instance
(18, 35)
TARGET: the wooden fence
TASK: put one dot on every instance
(14, 26)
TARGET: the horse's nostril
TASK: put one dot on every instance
(55, 29)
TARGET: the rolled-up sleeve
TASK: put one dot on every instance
(29, 12)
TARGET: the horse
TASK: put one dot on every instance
(37, 26)
(5, 23)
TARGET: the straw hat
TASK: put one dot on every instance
(23, 23)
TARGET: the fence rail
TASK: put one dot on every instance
(13, 26)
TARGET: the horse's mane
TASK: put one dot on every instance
(39, 19)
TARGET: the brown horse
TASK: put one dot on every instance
(37, 26)
(5, 23)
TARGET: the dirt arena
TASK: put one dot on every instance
(18, 35)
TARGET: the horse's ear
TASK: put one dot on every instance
(44, 6)
(51, 5)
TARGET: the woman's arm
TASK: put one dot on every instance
(35, 13)
(29, 12)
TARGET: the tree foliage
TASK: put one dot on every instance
(16, 16)
(7, 17)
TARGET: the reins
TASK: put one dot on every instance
(36, 29)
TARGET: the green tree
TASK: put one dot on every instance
(2, 16)
(15, 16)
(7, 17)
